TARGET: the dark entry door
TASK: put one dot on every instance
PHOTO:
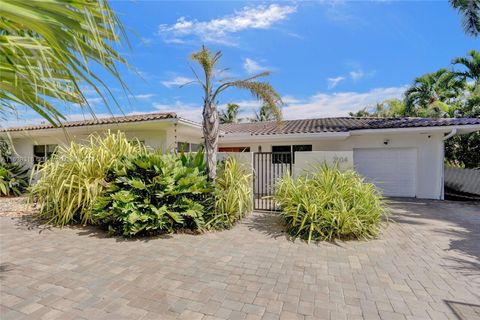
(268, 168)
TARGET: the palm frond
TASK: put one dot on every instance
(470, 11)
(46, 48)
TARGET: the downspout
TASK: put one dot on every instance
(448, 136)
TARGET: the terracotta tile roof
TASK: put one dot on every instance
(341, 124)
(99, 121)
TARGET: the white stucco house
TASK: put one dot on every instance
(404, 156)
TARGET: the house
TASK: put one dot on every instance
(158, 130)
(403, 156)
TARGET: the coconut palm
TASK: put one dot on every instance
(46, 49)
(264, 114)
(433, 93)
(470, 10)
(471, 65)
(230, 115)
(212, 88)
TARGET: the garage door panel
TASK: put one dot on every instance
(392, 170)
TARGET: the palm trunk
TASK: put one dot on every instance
(210, 134)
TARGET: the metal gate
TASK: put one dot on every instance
(268, 167)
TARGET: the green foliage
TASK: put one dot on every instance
(233, 198)
(70, 182)
(464, 150)
(230, 115)
(13, 176)
(470, 11)
(47, 49)
(327, 203)
(155, 193)
(13, 179)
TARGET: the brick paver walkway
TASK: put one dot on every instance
(426, 265)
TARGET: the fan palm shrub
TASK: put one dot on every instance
(326, 203)
(70, 182)
(233, 197)
(155, 193)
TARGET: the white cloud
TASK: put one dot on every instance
(360, 74)
(357, 75)
(220, 30)
(332, 82)
(338, 104)
(146, 96)
(177, 81)
(251, 66)
(188, 111)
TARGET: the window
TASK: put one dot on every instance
(283, 154)
(43, 152)
(188, 147)
(234, 149)
(194, 147)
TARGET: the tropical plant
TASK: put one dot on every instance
(464, 150)
(471, 69)
(70, 182)
(212, 88)
(155, 193)
(13, 175)
(264, 114)
(46, 48)
(13, 179)
(230, 115)
(233, 197)
(470, 10)
(326, 203)
(433, 94)
(390, 108)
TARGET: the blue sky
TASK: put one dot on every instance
(327, 58)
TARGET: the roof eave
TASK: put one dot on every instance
(233, 137)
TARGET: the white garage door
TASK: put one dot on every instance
(393, 170)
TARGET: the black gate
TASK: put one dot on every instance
(268, 167)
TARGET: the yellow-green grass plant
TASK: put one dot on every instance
(326, 204)
(70, 182)
(233, 196)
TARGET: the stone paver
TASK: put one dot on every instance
(426, 265)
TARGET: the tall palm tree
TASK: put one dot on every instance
(264, 114)
(470, 10)
(432, 93)
(471, 64)
(230, 115)
(46, 49)
(212, 88)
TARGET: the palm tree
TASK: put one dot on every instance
(470, 9)
(264, 114)
(431, 94)
(230, 115)
(471, 64)
(46, 49)
(212, 90)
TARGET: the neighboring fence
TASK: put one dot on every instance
(462, 183)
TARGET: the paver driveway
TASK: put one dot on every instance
(425, 266)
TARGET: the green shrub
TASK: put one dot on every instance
(71, 180)
(155, 193)
(233, 198)
(13, 176)
(327, 203)
(13, 179)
